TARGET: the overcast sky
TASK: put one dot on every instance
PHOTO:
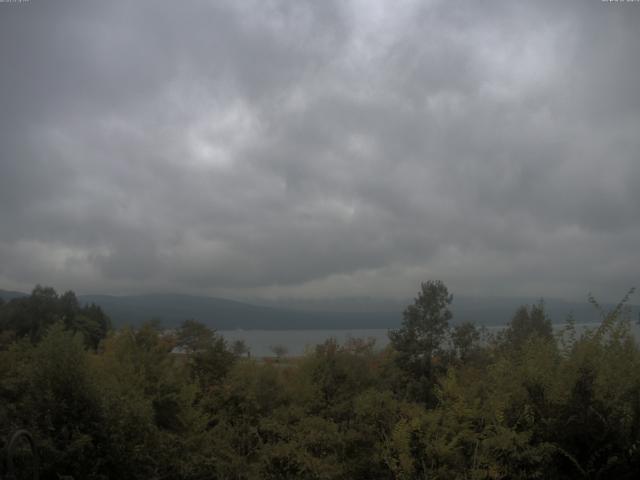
(320, 148)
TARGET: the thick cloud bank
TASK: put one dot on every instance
(315, 148)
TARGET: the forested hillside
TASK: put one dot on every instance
(441, 401)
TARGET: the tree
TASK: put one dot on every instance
(528, 322)
(209, 357)
(420, 338)
(280, 351)
(32, 316)
(194, 336)
(93, 323)
(240, 348)
(464, 339)
(62, 406)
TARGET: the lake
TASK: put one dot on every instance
(297, 342)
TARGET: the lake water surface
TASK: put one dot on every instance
(297, 342)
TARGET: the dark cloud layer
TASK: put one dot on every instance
(320, 148)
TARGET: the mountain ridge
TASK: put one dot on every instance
(362, 313)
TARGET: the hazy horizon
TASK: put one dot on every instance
(336, 300)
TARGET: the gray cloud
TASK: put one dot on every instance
(320, 148)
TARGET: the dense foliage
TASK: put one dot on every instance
(441, 402)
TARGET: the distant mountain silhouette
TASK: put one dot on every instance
(340, 313)
(223, 314)
(490, 311)
(9, 295)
